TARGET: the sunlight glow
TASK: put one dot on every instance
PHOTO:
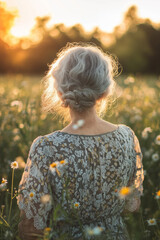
(19, 31)
(101, 13)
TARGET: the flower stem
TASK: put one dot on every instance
(142, 220)
(11, 196)
(5, 221)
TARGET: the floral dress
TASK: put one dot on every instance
(84, 175)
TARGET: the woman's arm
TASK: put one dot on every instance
(133, 201)
(26, 229)
(33, 185)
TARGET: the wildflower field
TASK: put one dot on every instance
(21, 121)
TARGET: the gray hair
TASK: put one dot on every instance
(81, 75)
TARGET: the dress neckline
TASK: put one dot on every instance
(95, 135)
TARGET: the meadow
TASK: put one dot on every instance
(21, 121)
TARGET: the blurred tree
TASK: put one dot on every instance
(133, 51)
(4, 57)
(137, 44)
(131, 17)
(153, 38)
(6, 22)
(6, 19)
(40, 28)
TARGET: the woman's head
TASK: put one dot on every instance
(81, 75)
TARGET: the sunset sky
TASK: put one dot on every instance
(105, 14)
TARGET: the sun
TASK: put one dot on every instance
(17, 31)
(20, 29)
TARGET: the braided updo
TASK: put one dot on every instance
(81, 75)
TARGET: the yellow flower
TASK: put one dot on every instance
(4, 181)
(31, 195)
(124, 191)
(47, 229)
(14, 165)
(53, 165)
(158, 195)
(62, 161)
(56, 166)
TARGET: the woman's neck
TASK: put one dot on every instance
(91, 124)
(89, 117)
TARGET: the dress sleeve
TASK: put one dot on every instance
(34, 184)
(137, 176)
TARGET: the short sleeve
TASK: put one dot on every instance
(137, 176)
(34, 184)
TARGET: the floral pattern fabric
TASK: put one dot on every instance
(97, 167)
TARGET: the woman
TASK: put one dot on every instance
(101, 161)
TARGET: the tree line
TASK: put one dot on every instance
(136, 43)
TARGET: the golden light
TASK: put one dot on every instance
(105, 16)
(18, 31)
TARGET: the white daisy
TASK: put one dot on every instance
(144, 135)
(54, 165)
(152, 221)
(157, 140)
(145, 132)
(76, 205)
(31, 195)
(97, 230)
(148, 129)
(155, 157)
(4, 181)
(14, 165)
(94, 231)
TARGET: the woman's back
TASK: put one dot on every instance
(95, 167)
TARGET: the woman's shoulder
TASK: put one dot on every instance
(126, 127)
(59, 133)
(58, 136)
(128, 130)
